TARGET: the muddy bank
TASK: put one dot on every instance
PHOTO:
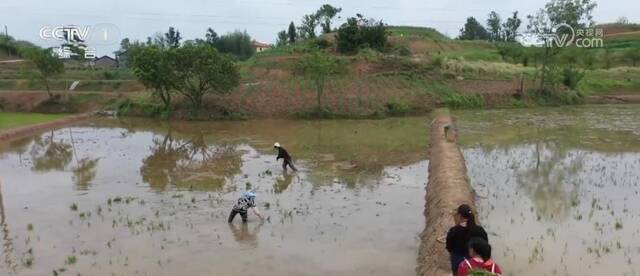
(64, 102)
(19, 132)
(611, 99)
(447, 188)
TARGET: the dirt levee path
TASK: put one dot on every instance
(447, 188)
(19, 132)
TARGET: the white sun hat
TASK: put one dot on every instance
(277, 145)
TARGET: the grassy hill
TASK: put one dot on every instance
(421, 69)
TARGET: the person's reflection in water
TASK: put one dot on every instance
(282, 183)
(243, 236)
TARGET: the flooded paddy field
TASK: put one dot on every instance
(140, 197)
(558, 188)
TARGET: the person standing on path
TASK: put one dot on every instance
(479, 259)
(459, 236)
(287, 161)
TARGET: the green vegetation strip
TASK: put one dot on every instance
(12, 120)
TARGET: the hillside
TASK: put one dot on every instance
(420, 70)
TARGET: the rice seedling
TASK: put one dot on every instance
(71, 259)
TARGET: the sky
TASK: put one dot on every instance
(262, 19)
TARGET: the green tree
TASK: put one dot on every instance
(211, 37)
(282, 38)
(511, 50)
(326, 13)
(511, 27)
(348, 38)
(622, 20)
(495, 26)
(153, 68)
(172, 38)
(473, 30)
(158, 39)
(317, 66)
(308, 26)
(237, 43)
(575, 13)
(125, 43)
(199, 69)
(293, 35)
(13, 47)
(47, 65)
(359, 32)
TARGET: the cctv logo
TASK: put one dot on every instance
(69, 34)
(99, 34)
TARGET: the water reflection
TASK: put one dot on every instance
(282, 183)
(189, 163)
(167, 187)
(84, 172)
(550, 182)
(351, 152)
(49, 154)
(556, 186)
(244, 236)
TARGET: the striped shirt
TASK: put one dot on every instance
(244, 203)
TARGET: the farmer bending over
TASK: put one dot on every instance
(282, 153)
(247, 201)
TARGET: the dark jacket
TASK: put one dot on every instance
(458, 238)
(282, 153)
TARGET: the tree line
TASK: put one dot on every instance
(191, 69)
(358, 32)
(238, 44)
(495, 30)
(557, 64)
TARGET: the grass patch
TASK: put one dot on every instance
(454, 99)
(621, 80)
(10, 120)
(474, 54)
(484, 69)
(457, 100)
(416, 31)
(557, 98)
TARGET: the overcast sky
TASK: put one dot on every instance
(138, 19)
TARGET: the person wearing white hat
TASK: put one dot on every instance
(287, 161)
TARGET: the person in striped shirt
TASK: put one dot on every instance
(244, 203)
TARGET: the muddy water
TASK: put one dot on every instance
(558, 188)
(138, 197)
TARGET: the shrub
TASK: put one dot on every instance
(237, 43)
(397, 108)
(358, 33)
(437, 61)
(402, 50)
(321, 43)
(456, 100)
(571, 77)
(110, 75)
(556, 98)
